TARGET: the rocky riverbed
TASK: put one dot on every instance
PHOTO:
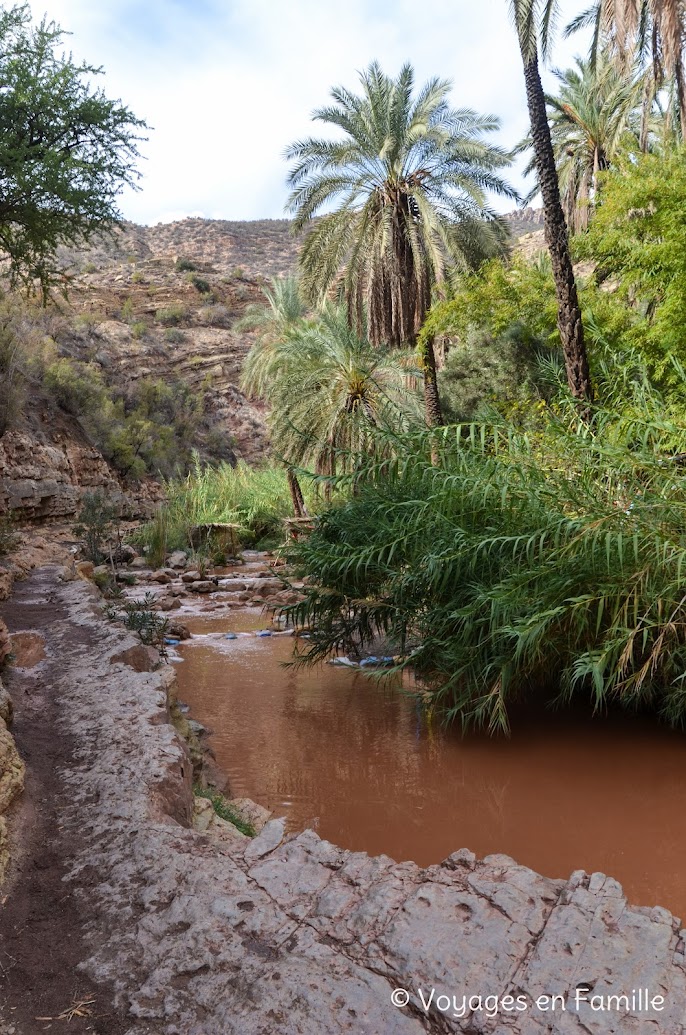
(117, 903)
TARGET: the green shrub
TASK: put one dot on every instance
(185, 266)
(256, 499)
(172, 315)
(77, 387)
(547, 564)
(200, 284)
(97, 521)
(174, 335)
(139, 329)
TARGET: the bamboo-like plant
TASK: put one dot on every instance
(550, 561)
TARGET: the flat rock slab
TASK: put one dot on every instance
(293, 935)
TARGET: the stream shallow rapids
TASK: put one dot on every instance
(336, 750)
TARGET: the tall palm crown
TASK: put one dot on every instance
(409, 178)
(595, 114)
(655, 30)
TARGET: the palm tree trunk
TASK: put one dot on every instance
(299, 508)
(568, 308)
(432, 400)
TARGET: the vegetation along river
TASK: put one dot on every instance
(355, 759)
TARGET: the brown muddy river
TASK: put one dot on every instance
(354, 759)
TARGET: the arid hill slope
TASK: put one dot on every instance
(158, 303)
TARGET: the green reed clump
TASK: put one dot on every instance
(552, 560)
(257, 499)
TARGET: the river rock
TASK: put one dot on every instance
(250, 812)
(177, 560)
(204, 586)
(85, 569)
(6, 709)
(191, 576)
(162, 577)
(179, 630)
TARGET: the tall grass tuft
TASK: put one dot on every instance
(257, 499)
(551, 562)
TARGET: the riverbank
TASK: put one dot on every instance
(172, 932)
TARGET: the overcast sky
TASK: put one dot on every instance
(226, 85)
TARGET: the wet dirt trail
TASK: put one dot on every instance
(41, 923)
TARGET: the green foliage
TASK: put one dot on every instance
(551, 562)
(66, 151)
(400, 197)
(484, 373)
(638, 236)
(200, 284)
(77, 387)
(498, 296)
(174, 335)
(223, 809)
(255, 498)
(172, 315)
(185, 266)
(97, 521)
(139, 329)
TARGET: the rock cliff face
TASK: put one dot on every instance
(159, 303)
(44, 480)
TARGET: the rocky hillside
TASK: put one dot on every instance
(149, 306)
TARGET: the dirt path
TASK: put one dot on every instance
(41, 924)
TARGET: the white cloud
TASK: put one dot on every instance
(228, 85)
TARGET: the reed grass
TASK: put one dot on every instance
(550, 562)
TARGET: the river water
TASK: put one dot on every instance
(355, 759)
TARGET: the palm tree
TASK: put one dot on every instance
(329, 392)
(653, 30)
(529, 17)
(409, 179)
(596, 112)
(284, 311)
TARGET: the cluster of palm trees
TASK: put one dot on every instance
(399, 199)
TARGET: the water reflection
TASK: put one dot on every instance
(333, 749)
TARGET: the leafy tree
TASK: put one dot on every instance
(638, 236)
(532, 20)
(548, 562)
(66, 150)
(408, 180)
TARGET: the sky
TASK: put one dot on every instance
(226, 85)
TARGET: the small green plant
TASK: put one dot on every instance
(137, 277)
(126, 312)
(139, 329)
(185, 266)
(223, 809)
(172, 315)
(200, 284)
(139, 617)
(96, 525)
(9, 537)
(174, 335)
